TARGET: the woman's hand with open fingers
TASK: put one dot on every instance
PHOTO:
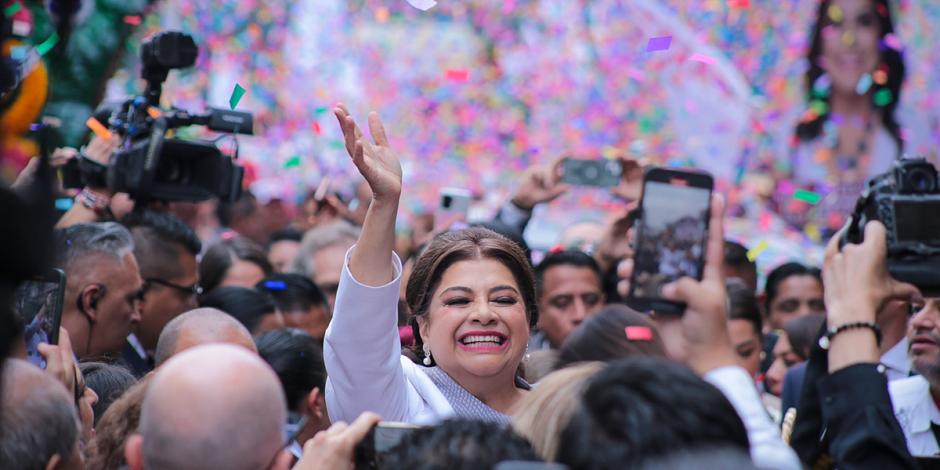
(375, 160)
(705, 321)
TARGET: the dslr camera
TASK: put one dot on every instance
(906, 199)
(151, 166)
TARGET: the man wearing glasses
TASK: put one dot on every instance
(166, 250)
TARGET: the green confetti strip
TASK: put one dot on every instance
(807, 196)
(237, 94)
(321, 109)
(883, 97)
(292, 162)
(12, 9)
(47, 45)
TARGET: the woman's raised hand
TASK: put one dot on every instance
(376, 160)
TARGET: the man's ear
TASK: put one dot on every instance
(282, 461)
(315, 404)
(134, 452)
(54, 463)
(89, 298)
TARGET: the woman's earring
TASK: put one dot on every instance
(427, 355)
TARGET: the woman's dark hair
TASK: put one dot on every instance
(248, 306)
(459, 444)
(780, 274)
(641, 408)
(802, 332)
(449, 248)
(108, 381)
(297, 358)
(220, 257)
(744, 305)
(286, 234)
(891, 58)
(603, 337)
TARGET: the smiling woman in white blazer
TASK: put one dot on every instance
(472, 293)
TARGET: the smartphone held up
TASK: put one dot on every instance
(38, 307)
(671, 235)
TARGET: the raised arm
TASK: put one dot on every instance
(379, 165)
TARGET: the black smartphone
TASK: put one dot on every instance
(381, 438)
(601, 173)
(671, 235)
(38, 307)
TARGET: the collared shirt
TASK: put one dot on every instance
(896, 363)
(915, 410)
(139, 348)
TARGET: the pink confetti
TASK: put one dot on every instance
(702, 58)
(458, 75)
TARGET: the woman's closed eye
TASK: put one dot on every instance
(505, 300)
(457, 301)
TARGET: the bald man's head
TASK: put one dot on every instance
(39, 423)
(211, 406)
(200, 326)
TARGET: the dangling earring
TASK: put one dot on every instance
(427, 355)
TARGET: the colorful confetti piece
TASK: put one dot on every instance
(457, 75)
(638, 333)
(753, 253)
(658, 43)
(702, 58)
(423, 5)
(132, 20)
(883, 97)
(237, 94)
(12, 9)
(44, 47)
(807, 196)
(864, 83)
(292, 162)
(98, 128)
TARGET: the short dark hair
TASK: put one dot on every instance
(736, 256)
(744, 305)
(109, 381)
(780, 274)
(574, 258)
(802, 332)
(248, 306)
(641, 408)
(458, 444)
(244, 206)
(292, 292)
(158, 240)
(286, 234)
(219, 258)
(602, 337)
(297, 358)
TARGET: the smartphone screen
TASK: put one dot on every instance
(38, 306)
(600, 173)
(671, 236)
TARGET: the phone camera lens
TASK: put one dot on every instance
(447, 201)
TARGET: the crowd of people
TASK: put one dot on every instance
(243, 335)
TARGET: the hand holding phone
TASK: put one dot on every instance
(671, 236)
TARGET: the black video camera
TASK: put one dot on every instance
(906, 200)
(150, 166)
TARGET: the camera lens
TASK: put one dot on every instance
(446, 202)
(921, 181)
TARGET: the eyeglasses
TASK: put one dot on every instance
(194, 289)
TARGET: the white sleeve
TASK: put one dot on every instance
(362, 352)
(767, 447)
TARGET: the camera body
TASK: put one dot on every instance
(906, 200)
(151, 166)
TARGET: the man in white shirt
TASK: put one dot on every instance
(915, 398)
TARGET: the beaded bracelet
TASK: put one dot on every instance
(826, 340)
